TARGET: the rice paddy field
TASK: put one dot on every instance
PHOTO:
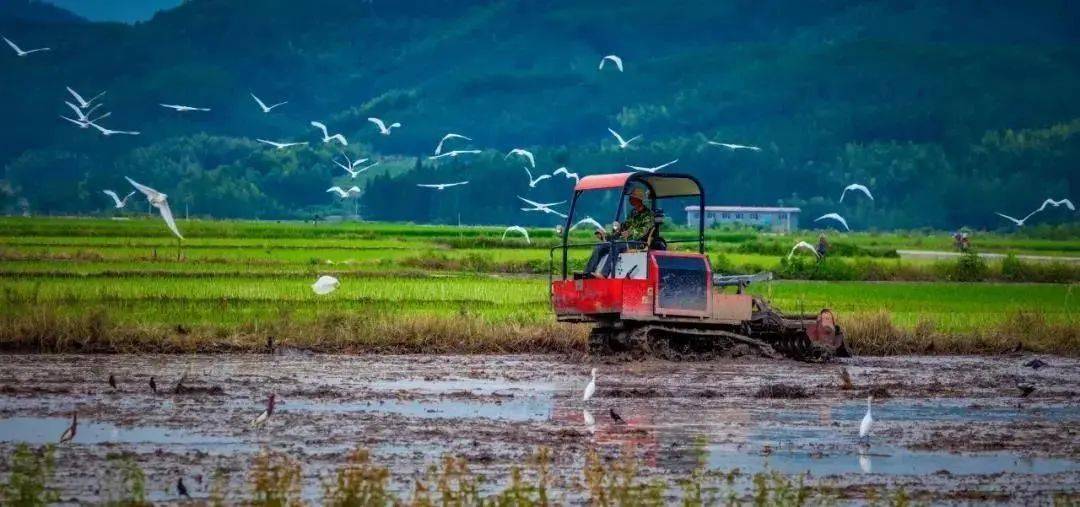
(437, 286)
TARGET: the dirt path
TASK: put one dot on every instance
(947, 427)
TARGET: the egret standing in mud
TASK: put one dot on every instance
(591, 388)
(867, 421)
(259, 421)
(69, 433)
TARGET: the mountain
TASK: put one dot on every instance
(947, 110)
(36, 12)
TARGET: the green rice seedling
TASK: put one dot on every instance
(29, 473)
(275, 480)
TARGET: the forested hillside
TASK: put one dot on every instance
(948, 111)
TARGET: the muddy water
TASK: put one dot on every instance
(947, 428)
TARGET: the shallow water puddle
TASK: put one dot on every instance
(517, 409)
(45, 430)
(472, 386)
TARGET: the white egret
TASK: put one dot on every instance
(259, 421)
(441, 186)
(734, 147)
(856, 186)
(588, 221)
(834, 216)
(534, 181)
(350, 165)
(342, 192)
(867, 420)
(326, 137)
(325, 285)
(568, 174)
(78, 98)
(518, 229)
(19, 51)
(120, 203)
(622, 143)
(1049, 202)
(805, 246)
(651, 169)
(83, 124)
(109, 132)
(447, 137)
(453, 154)
(83, 115)
(383, 129)
(524, 153)
(281, 146)
(265, 108)
(158, 200)
(184, 109)
(545, 207)
(590, 389)
(614, 59)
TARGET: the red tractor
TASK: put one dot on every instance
(647, 299)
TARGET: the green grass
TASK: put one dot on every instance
(238, 275)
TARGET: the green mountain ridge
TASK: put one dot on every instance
(948, 111)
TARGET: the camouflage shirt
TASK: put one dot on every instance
(638, 224)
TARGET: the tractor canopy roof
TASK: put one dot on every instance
(660, 185)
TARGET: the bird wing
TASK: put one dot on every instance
(77, 96)
(667, 164)
(77, 122)
(617, 60)
(341, 139)
(836, 217)
(115, 197)
(1068, 204)
(354, 189)
(528, 154)
(166, 213)
(617, 136)
(263, 106)
(441, 155)
(542, 177)
(1017, 222)
(271, 143)
(171, 106)
(632, 139)
(379, 123)
(395, 125)
(428, 185)
(79, 112)
(337, 189)
(126, 197)
(322, 127)
(13, 46)
(458, 183)
(529, 174)
(149, 192)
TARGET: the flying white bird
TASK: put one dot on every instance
(120, 203)
(264, 107)
(342, 192)
(534, 181)
(350, 165)
(545, 207)
(867, 420)
(834, 216)
(1048, 202)
(517, 229)
(453, 154)
(259, 421)
(184, 109)
(568, 174)
(326, 137)
(856, 186)
(651, 169)
(590, 388)
(78, 98)
(524, 153)
(622, 144)
(614, 59)
(734, 147)
(280, 146)
(325, 285)
(383, 129)
(588, 221)
(441, 186)
(438, 148)
(20, 52)
(158, 200)
(83, 115)
(805, 246)
(87, 122)
(109, 132)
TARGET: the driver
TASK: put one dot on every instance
(633, 231)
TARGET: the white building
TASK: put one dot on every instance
(774, 219)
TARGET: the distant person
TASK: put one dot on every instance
(965, 242)
(822, 246)
(632, 231)
(958, 241)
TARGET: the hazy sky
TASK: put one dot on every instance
(127, 11)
